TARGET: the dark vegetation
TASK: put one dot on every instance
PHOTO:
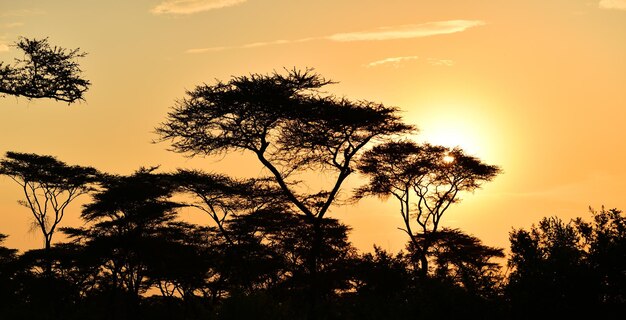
(44, 71)
(268, 249)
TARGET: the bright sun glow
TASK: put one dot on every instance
(456, 125)
(452, 135)
(448, 159)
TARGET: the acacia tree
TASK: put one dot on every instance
(131, 230)
(289, 126)
(435, 175)
(49, 186)
(45, 71)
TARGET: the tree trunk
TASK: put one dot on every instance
(423, 265)
(313, 268)
(48, 256)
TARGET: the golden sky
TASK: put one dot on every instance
(537, 87)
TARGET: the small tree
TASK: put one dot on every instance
(130, 225)
(435, 175)
(49, 186)
(45, 71)
(463, 260)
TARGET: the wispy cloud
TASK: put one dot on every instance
(408, 31)
(395, 61)
(613, 4)
(192, 6)
(440, 62)
(245, 46)
(384, 33)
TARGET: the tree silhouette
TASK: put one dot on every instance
(434, 174)
(286, 123)
(463, 260)
(133, 239)
(7, 293)
(45, 72)
(49, 186)
(605, 244)
(285, 236)
(568, 265)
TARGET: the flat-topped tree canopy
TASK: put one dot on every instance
(285, 116)
(49, 186)
(286, 120)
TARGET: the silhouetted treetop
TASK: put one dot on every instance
(49, 186)
(144, 195)
(394, 167)
(286, 122)
(45, 71)
(435, 174)
(284, 115)
(30, 167)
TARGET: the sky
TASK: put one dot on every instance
(536, 87)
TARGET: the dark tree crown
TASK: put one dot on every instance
(45, 72)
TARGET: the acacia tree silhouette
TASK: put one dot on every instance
(49, 186)
(434, 174)
(131, 229)
(45, 72)
(291, 128)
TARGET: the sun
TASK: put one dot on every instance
(455, 126)
(452, 135)
(448, 159)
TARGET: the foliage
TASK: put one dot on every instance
(570, 264)
(49, 186)
(285, 122)
(132, 232)
(464, 261)
(292, 128)
(435, 175)
(45, 72)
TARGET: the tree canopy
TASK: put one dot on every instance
(435, 175)
(286, 122)
(45, 71)
(49, 186)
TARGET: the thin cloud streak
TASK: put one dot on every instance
(246, 46)
(192, 6)
(394, 61)
(385, 33)
(397, 62)
(408, 31)
(440, 62)
(613, 4)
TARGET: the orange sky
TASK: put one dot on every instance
(537, 87)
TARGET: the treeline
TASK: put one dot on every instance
(134, 259)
